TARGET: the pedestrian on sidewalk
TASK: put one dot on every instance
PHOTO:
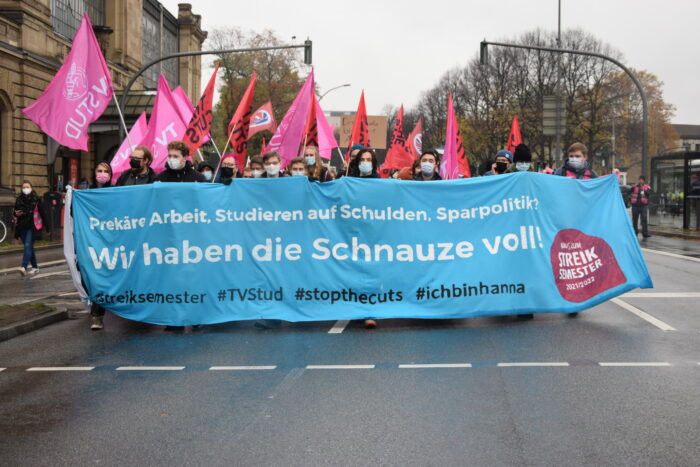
(103, 179)
(639, 199)
(29, 220)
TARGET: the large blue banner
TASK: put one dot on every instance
(199, 253)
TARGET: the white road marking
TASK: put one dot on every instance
(435, 365)
(339, 367)
(634, 364)
(236, 368)
(529, 364)
(150, 368)
(61, 368)
(661, 295)
(645, 316)
(339, 326)
(29, 300)
(2, 369)
(49, 274)
(672, 255)
(41, 265)
(67, 293)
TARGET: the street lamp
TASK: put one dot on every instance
(331, 89)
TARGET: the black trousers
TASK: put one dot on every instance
(96, 310)
(643, 212)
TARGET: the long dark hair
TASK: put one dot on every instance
(354, 167)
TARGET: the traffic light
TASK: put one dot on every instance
(484, 53)
(307, 52)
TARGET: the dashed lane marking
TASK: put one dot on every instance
(672, 255)
(339, 326)
(644, 315)
(634, 364)
(661, 295)
(61, 368)
(339, 367)
(529, 364)
(49, 274)
(435, 365)
(41, 265)
(150, 368)
(243, 368)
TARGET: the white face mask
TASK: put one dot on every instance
(310, 160)
(576, 162)
(427, 168)
(365, 167)
(298, 173)
(174, 163)
(256, 173)
(522, 166)
(207, 175)
(272, 170)
(26, 191)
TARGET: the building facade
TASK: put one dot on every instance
(35, 37)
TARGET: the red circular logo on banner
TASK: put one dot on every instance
(583, 266)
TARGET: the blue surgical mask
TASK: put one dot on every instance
(365, 167)
(427, 168)
(576, 162)
(310, 160)
(298, 174)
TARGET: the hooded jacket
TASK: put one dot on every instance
(584, 173)
(26, 204)
(128, 178)
(188, 174)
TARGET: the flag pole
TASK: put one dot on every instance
(121, 118)
(218, 165)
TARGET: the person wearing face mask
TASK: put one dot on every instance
(206, 168)
(141, 172)
(177, 167)
(317, 171)
(103, 176)
(428, 168)
(256, 166)
(29, 220)
(228, 170)
(364, 165)
(298, 167)
(272, 163)
(501, 163)
(639, 199)
(577, 165)
(522, 158)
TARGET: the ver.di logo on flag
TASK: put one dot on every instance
(76, 83)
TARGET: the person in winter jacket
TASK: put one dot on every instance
(364, 165)
(577, 165)
(522, 158)
(29, 216)
(103, 179)
(178, 168)
(141, 172)
(639, 199)
(429, 165)
(501, 163)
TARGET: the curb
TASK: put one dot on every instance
(15, 270)
(20, 248)
(32, 324)
(661, 233)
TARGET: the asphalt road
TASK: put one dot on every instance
(618, 385)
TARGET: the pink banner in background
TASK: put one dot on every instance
(120, 162)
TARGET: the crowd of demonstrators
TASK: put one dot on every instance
(362, 163)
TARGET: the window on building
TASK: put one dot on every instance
(151, 46)
(697, 147)
(66, 15)
(170, 46)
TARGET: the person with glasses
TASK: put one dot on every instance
(140, 172)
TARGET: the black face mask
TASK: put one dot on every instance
(501, 167)
(135, 164)
(226, 172)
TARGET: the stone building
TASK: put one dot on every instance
(35, 37)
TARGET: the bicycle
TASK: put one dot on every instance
(3, 230)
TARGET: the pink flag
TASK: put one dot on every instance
(183, 103)
(164, 126)
(77, 95)
(326, 138)
(120, 162)
(290, 131)
(454, 158)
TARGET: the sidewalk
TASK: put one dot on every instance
(674, 232)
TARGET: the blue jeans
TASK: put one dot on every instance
(27, 237)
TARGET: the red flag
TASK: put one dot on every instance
(514, 139)
(396, 157)
(263, 146)
(311, 128)
(200, 123)
(240, 123)
(360, 128)
(414, 142)
(263, 119)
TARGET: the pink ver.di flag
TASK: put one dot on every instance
(164, 126)
(326, 138)
(77, 95)
(290, 131)
(120, 162)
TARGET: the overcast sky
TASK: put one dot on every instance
(397, 49)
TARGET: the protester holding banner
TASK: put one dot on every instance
(177, 167)
(257, 169)
(502, 163)
(317, 171)
(272, 163)
(228, 170)
(429, 164)
(29, 219)
(522, 158)
(140, 172)
(298, 168)
(577, 165)
(364, 164)
(103, 176)
(206, 168)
